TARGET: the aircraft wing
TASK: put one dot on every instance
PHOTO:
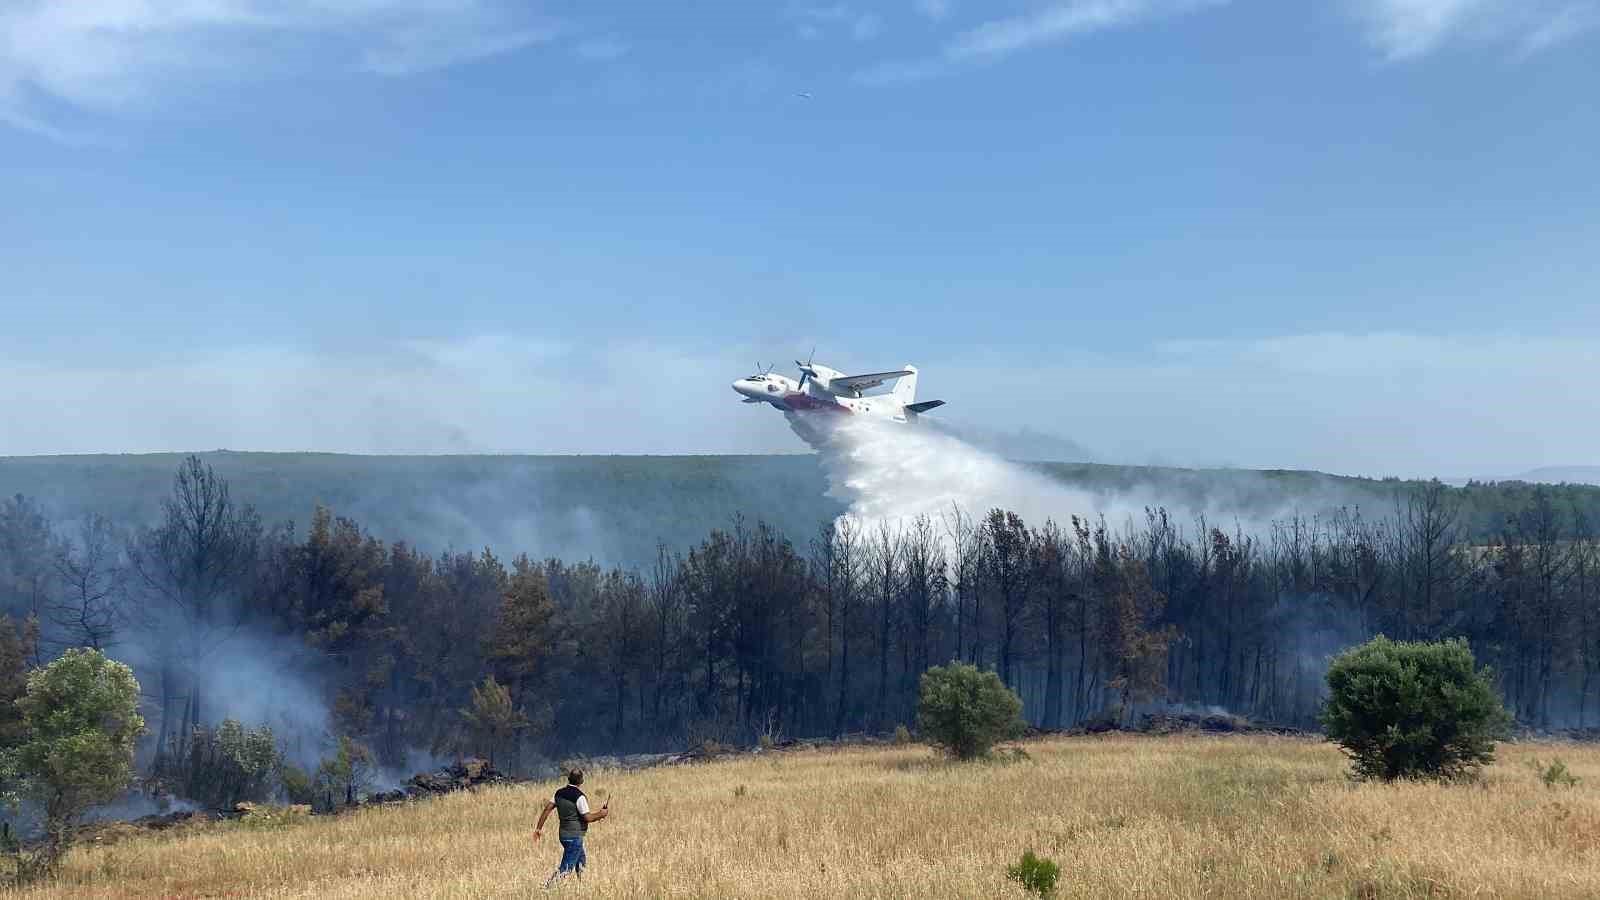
(865, 382)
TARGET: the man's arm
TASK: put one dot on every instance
(539, 829)
(605, 810)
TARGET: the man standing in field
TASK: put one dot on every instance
(572, 808)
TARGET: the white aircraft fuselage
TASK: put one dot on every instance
(823, 390)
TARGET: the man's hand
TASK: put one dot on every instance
(536, 833)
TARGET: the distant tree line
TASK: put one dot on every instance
(752, 632)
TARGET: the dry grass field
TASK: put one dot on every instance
(1125, 816)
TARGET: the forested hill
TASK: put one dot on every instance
(616, 509)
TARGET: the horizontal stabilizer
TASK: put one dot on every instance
(924, 406)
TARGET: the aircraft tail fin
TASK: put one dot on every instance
(905, 390)
(923, 407)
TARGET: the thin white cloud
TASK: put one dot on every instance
(1054, 23)
(816, 20)
(1562, 25)
(111, 55)
(1401, 30)
(937, 10)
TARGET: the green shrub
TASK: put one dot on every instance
(1035, 873)
(219, 767)
(297, 785)
(711, 749)
(766, 742)
(902, 735)
(1555, 774)
(964, 710)
(1413, 710)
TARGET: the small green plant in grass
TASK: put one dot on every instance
(1556, 774)
(739, 791)
(711, 749)
(1035, 873)
(902, 735)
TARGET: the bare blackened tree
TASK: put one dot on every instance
(1051, 557)
(844, 567)
(666, 609)
(1428, 540)
(966, 576)
(1585, 585)
(27, 545)
(1008, 574)
(91, 582)
(1549, 556)
(193, 569)
(886, 575)
(925, 591)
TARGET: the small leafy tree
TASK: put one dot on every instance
(298, 788)
(965, 710)
(1413, 710)
(348, 771)
(493, 720)
(81, 715)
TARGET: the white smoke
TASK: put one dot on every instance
(889, 473)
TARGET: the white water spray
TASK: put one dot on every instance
(893, 473)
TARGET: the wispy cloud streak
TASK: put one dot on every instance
(1403, 30)
(110, 55)
(1056, 23)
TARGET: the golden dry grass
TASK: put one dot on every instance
(1125, 816)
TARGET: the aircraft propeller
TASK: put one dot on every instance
(805, 367)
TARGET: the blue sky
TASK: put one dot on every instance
(1357, 235)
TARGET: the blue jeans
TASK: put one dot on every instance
(572, 859)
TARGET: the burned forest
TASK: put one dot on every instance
(322, 642)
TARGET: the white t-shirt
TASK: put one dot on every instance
(583, 805)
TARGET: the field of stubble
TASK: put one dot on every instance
(1125, 816)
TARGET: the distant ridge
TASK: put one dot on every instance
(1563, 475)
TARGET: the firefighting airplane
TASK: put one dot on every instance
(821, 389)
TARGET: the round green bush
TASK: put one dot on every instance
(964, 710)
(1413, 710)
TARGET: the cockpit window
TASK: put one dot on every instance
(757, 378)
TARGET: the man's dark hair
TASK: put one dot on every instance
(575, 776)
